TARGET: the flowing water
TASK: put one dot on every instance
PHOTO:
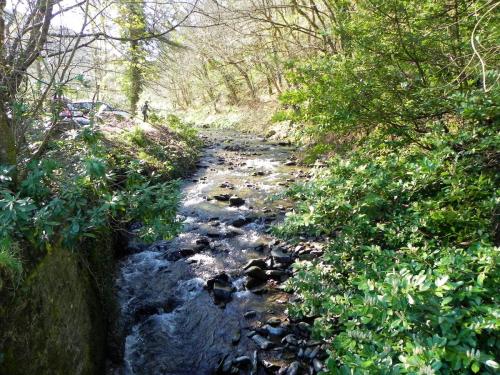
(173, 322)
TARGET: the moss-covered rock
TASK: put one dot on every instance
(56, 321)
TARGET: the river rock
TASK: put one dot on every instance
(304, 328)
(270, 133)
(274, 331)
(256, 273)
(258, 262)
(250, 314)
(202, 241)
(290, 340)
(262, 342)
(293, 369)
(236, 338)
(222, 197)
(260, 289)
(317, 364)
(222, 278)
(224, 366)
(276, 274)
(214, 233)
(236, 201)
(239, 222)
(259, 173)
(279, 256)
(273, 321)
(311, 354)
(243, 361)
(270, 367)
(233, 232)
(187, 252)
(252, 283)
(222, 291)
(227, 185)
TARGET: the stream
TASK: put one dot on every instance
(210, 301)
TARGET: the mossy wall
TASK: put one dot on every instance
(56, 322)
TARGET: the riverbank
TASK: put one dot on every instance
(57, 314)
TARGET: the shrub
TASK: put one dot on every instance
(408, 283)
(79, 196)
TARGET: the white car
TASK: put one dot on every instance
(101, 108)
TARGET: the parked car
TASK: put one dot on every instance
(100, 108)
(72, 115)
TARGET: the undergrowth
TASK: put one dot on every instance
(409, 280)
(84, 186)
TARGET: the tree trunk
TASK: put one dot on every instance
(7, 140)
(7, 137)
(135, 76)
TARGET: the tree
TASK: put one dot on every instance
(133, 24)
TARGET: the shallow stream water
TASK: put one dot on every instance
(174, 324)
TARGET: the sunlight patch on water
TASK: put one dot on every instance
(266, 164)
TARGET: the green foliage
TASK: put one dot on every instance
(10, 263)
(185, 130)
(399, 64)
(409, 281)
(52, 204)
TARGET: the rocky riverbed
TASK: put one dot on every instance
(211, 300)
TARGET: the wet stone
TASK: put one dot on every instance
(243, 362)
(279, 256)
(256, 273)
(222, 292)
(274, 321)
(214, 233)
(227, 365)
(187, 252)
(250, 314)
(290, 340)
(317, 365)
(203, 241)
(270, 366)
(239, 222)
(233, 232)
(261, 289)
(276, 274)
(221, 278)
(258, 262)
(274, 331)
(304, 327)
(236, 201)
(293, 369)
(222, 197)
(251, 333)
(262, 342)
(312, 353)
(252, 283)
(236, 338)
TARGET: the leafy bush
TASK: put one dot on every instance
(409, 281)
(10, 265)
(82, 196)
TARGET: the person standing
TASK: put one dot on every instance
(145, 110)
